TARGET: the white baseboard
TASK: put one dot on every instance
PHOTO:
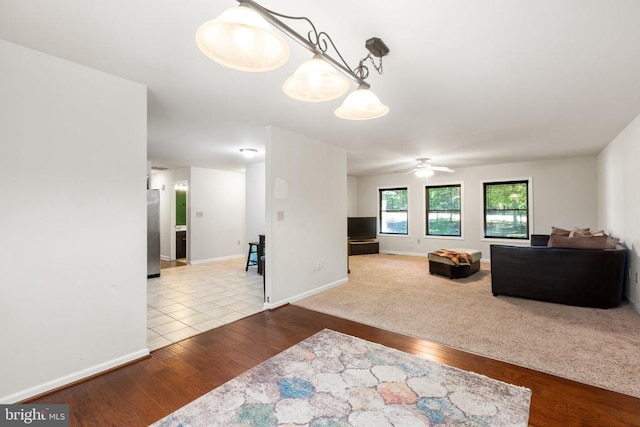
(222, 258)
(272, 305)
(633, 305)
(76, 376)
(165, 258)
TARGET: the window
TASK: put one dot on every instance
(506, 209)
(443, 214)
(394, 211)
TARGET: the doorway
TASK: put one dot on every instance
(181, 226)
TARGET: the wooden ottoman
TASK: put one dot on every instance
(442, 262)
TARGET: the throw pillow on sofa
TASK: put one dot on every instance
(576, 232)
(559, 231)
(580, 232)
(583, 242)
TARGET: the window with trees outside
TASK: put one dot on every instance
(394, 211)
(506, 209)
(443, 215)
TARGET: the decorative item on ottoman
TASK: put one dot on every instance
(454, 263)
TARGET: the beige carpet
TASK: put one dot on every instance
(397, 293)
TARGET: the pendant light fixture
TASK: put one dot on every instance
(243, 38)
(315, 81)
(361, 104)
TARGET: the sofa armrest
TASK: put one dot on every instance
(540, 239)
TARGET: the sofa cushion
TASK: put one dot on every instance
(559, 231)
(583, 242)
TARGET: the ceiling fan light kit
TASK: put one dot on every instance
(243, 38)
(424, 173)
(424, 169)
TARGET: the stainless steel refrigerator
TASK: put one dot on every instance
(153, 233)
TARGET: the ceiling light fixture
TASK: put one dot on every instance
(361, 104)
(249, 153)
(315, 81)
(243, 38)
(424, 173)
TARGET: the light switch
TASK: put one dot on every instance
(280, 215)
(199, 214)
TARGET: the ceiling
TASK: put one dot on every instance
(468, 82)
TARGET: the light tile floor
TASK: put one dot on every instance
(185, 301)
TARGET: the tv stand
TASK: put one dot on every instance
(362, 247)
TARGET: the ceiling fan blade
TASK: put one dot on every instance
(406, 171)
(441, 169)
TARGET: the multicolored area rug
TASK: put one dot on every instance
(335, 380)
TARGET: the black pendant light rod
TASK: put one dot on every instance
(318, 45)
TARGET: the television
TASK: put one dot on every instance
(362, 228)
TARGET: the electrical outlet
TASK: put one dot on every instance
(319, 265)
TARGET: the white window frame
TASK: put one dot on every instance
(379, 209)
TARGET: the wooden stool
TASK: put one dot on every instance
(253, 250)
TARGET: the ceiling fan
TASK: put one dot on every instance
(424, 169)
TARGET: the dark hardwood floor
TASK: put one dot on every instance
(143, 392)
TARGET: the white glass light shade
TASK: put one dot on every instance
(243, 40)
(424, 173)
(361, 104)
(315, 81)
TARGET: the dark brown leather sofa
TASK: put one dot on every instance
(581, 277)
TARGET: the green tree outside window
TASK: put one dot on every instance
(506, 210)
(444, 214)
(394, 210)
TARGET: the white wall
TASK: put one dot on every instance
(73, 253)
(618, 203)
(564, 195)
(165, 181)
(306, 245)
(352, 196)
(216, 210)
(255, 178)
